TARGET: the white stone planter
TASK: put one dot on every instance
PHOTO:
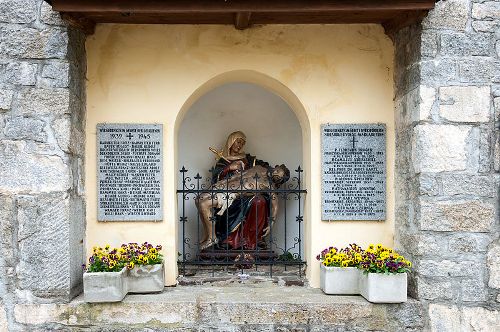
(339, 280)
(146, 279)
(383, 288)
(105, 286)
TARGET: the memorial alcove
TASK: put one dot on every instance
(325, 74)
(273, 135)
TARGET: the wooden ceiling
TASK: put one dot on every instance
(392, 14)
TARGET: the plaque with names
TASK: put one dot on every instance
(130, 173)
(353, 172)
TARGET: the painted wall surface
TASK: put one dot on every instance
(154, 73)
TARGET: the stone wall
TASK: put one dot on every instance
(447, 80)
(42, 115)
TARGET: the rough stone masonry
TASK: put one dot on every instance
(42, 119)
(447, 106)
(447, 100)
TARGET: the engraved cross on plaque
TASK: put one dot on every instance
(354, 140)
(129, 136)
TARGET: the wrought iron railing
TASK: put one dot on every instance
(282, 243)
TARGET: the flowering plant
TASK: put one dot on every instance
(128, 255)
(379, 259)
(349, 256)
(145, 254)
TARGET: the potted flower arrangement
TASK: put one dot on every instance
(385, 275)
(146, 273)
(339, 272)
(112, 273)
(104, 279)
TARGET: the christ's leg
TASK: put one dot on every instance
(205, 202)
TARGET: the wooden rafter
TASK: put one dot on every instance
(242, 20)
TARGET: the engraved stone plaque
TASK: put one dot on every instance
(130, 174)
(353, 172)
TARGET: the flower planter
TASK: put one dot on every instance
(339, 280)
(383, 288)
(146, 279)
(105, 286)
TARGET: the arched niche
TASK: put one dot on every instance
(276, 131)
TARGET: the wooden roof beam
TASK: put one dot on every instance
(236, 6)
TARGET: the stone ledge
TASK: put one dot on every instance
(230, 308)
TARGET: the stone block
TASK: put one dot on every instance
(76, 242)
(4, 324)
(485, 26)
(484, 151)
(23, 42)
(478, 70)
(55, 75)
(496, 103)
(20, 128)
(79, 178)
(48, 16)
(465, 103)
(43, 237)
(126, 312)
(437, 148)
(468, 243)
(24, 172)
(473, 290)
(461, 44)
(438, 72)
(427, 99)
(33, 102)
(5, 99)
(415, 106)
(410, 315)
(20, 73)
(2, 125)
(457, 215)
(496, 151)
(77, 142)
(428, 43)
(428, 184)
(227, 309)
(407, 80)
(493, 264)
(448, 268)
(479, 319)
(7, 230)
(17, 11)
(468, 184)
(62, 132)
(489, 10)
(451, 14)
(422, 244)
(444, 318)
(495, 90)
(435, 289)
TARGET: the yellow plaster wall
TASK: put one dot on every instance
(153, 73)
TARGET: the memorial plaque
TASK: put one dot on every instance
(353, 172)
(130, 176)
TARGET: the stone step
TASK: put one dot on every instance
(253, 307)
